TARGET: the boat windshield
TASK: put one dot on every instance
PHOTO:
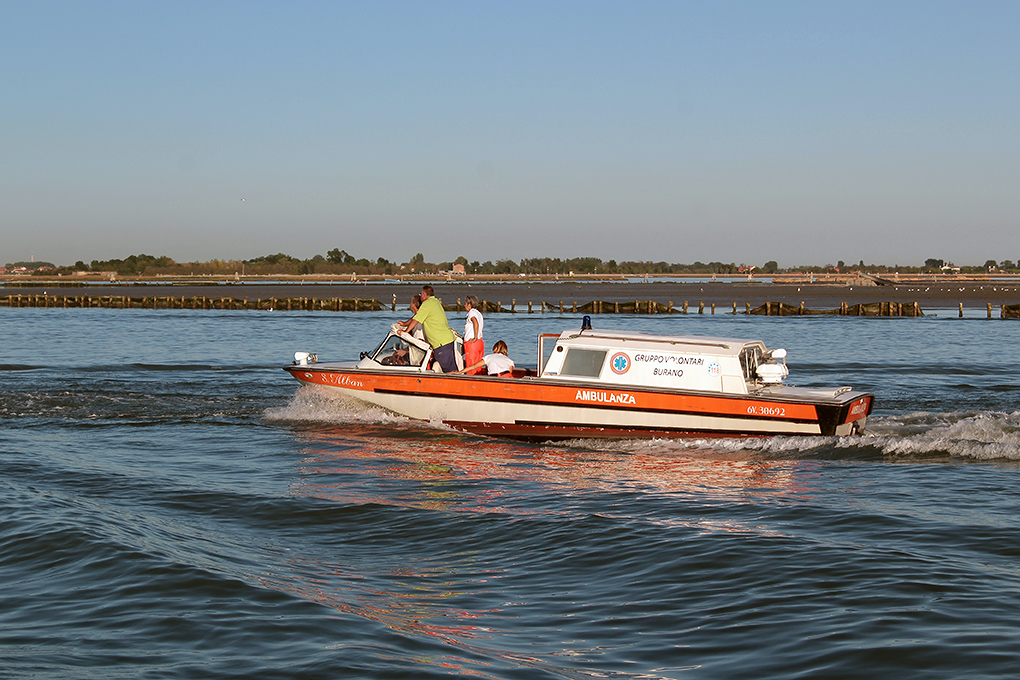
(395, 351)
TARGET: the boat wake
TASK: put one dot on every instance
(964, 435)
(977, 435)
(961, 435)
(319, 406)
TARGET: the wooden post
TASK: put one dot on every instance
(513, 306)
(713, 308)
(529, 306)
(801, 312)
(961, 310)
(989, 310)
(669, 309)
(685, 307)
(734, 308)
(768, 309)
(747, 308)
(499, 306)
(561, 306)
(701, 307)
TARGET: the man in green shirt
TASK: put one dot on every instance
(432, 318)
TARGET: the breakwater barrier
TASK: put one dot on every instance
(310, 304)
(194, 302)
(336, 304)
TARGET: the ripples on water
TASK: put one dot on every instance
(174, 505)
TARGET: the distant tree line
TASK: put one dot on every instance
(340, 262)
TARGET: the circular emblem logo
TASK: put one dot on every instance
(620, 363)
(714, 369)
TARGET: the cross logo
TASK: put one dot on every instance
(620, 363)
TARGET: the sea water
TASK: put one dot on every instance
(173, 505)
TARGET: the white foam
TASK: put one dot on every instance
(314, 404)
(982, 435)
(979, 435)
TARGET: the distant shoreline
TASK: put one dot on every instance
(798, 278)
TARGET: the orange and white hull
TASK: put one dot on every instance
(534, 408)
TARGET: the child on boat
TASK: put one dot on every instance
(497, 363)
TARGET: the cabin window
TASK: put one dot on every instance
(583, 363)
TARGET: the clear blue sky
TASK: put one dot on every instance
(801, 132)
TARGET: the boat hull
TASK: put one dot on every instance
(543, 409)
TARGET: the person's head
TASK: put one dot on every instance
(415, 303)
(426, 292)
(500, 347)
(471, 301)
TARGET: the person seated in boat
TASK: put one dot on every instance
(497, 363)
(398, 358)
(432, 317)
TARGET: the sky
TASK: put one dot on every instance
(800, 132)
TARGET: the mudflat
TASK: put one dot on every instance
(721, 293)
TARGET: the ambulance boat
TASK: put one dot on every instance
(598, 384)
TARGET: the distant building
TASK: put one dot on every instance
(458, 270)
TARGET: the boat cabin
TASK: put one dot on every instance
(669, 362)
(662, 362)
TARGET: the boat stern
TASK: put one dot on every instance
(853, 416)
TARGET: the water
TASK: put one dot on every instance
(173, 505)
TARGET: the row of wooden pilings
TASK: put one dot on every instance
(196, 302)
(900, 309)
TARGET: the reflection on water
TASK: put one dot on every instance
(460, 473)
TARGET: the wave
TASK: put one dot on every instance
(968, 435)
(318, 405)
(978, 435)
(964, 435)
